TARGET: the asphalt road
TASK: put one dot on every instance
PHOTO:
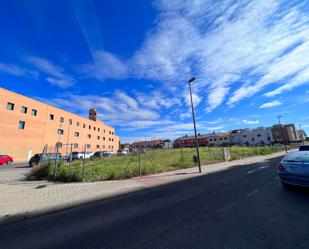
(243, 207)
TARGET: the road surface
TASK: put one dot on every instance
(243, 207)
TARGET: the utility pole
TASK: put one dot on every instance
(195, 133)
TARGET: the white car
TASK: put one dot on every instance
(80, 155)
(122, 152)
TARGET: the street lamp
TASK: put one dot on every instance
(281, 131)
(195, 133)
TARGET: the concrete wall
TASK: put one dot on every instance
(40, 130)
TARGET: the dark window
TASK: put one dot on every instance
(244, 135)
(98, 129)
(253, 139)
(104, 138)
(51, 116)
(98, 137)
(77, 123)
(34, 112)
(23, 109)
(89, 135)
(258, 135)
(61, 119)
(103, 146)
(10, 106)
(59, 144)
(21, 125)
(98, 146)
(109, 139)
(84, 126)
(94, 128)
(75, 145)
(60, 132)
(88, 146)
(70, 121)
(76, 134)
(89, 127)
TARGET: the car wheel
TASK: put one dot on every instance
(10, 162)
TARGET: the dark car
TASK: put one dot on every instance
(5, 159)
(100, 154)
(37, 158)
(304, 147)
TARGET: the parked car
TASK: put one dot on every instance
(5, 159)
(100, 154)
(80, 155)
(294, 169)
(122, 152)
(45, 157)
(304, 147)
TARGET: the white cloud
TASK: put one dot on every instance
(105, 65)
(223, 43)
(17, 70)
(270, 104)
(250, 122)
(56, 75)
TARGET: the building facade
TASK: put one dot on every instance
(285, 133)
(252, 137)
(28, 126)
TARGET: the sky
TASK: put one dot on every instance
(132, 59)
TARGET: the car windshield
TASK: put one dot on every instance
(304, 148)
(297, 157)
(2, 156)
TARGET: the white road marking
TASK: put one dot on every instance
(250, 194)
(259, 168)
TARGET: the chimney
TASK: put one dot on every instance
(93, 114)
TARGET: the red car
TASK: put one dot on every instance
(5, 159)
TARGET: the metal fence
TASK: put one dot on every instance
(84, 167)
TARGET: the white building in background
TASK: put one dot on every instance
(252, 137)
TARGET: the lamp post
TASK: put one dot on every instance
(195, 133)
(281, 131)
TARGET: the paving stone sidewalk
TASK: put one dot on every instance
(21, 199)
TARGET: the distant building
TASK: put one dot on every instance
(301, 135)
(151, 144)
(219, 139)
(28, 125)
(251, 137)
(285, 133)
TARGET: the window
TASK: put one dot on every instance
(23, 109)
(76, 134)
(77, 123)
(89, 135)
(34, 112)
(109, 139)
(104, 138)
(21, 125)
(51, 116)
(98, 137)
(103, 146)
(104, 130)
(75, 145)
(253, 139)
(94, 128)
(60, 132)
(112, 147)
(258, 135)
(98, 129)
(112, 133)
(10, 106)
(244, 136)
(70, 121)
(109, 132)
(89, 127)
(84, 126)
(88, 146)
(98, 146)
(61, 119)
(59, 145)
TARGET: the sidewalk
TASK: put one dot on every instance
(21, 199)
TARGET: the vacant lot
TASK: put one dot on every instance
(149, 162)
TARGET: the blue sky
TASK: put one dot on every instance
(131, 60)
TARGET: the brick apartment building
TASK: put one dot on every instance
(28, 125)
